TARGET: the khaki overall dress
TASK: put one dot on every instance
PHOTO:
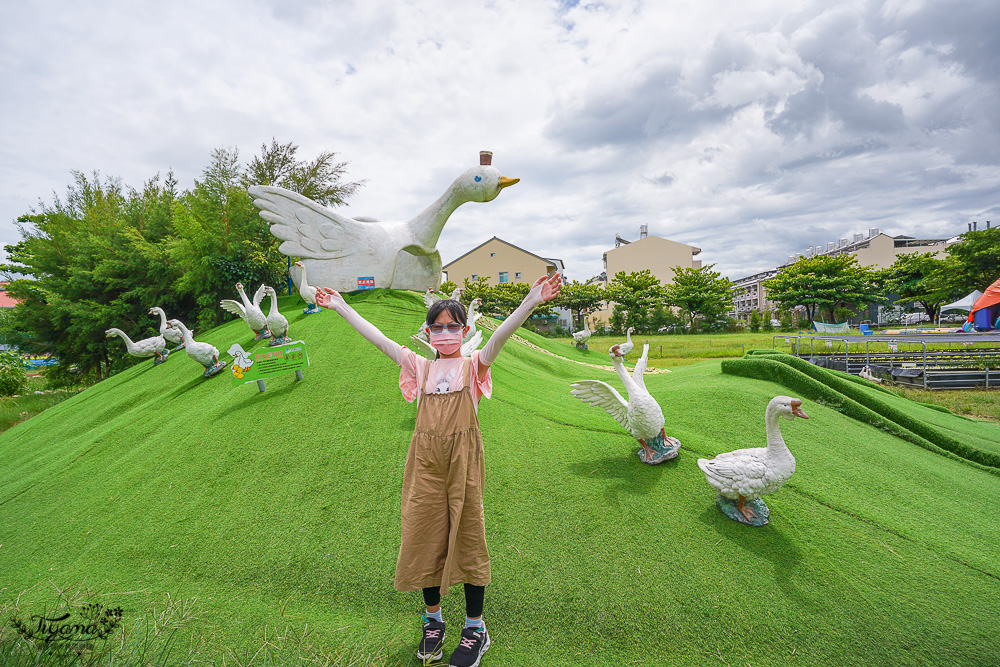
(443, 529)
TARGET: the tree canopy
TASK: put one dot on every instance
(101, 257)
(700, 292)
(824, 284)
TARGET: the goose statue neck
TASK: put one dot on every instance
(478, 184)
(626, 379)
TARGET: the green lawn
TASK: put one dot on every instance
(281, 510)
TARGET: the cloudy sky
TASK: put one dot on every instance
(748, 129)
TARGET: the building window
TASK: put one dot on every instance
(493, 254)
(517, 274)
(475, 277)
(503, 276)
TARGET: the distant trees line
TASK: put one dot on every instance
(105, 254)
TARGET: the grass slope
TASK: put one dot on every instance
(282, 508)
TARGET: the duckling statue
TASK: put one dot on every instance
(745, 475)
(640, 415)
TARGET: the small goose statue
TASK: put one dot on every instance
(250, 311)
(204, 353)
(745, 475)
(154, 346)
(640, 415)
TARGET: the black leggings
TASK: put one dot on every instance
(473, 599)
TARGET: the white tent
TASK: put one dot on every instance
(964, 303)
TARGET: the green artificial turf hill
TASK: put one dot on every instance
(282, 508)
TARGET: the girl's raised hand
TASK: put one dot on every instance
(329, 298)
(546, 288)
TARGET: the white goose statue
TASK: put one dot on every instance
(431, 297)
(276, 322)
(169, 333)
(155, 346)
(204, 353)
(581, 337)
(627, 346)
(399, 255)
(640, 415)
(747, 474)
(250, 311)
(306, 291)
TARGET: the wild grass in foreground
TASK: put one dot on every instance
(82, 630)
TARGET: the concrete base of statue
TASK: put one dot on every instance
(663, 449)
(730, 508)
(582, 346)
(214, 370)
(163, 357)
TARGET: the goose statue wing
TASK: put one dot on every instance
(472, 343)
(605, 396)
(423, 347)
(234, 307)
(307, 228)
(259, 295)
(430, 298)
(734, 467)
(640, 368)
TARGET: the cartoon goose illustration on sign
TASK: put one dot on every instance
(336, 249)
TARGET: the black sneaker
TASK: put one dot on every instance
(470, 648)
(432, 645)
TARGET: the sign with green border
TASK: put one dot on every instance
(268, 362)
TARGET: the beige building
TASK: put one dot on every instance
(874, 250)
(500, 262)
(657, 254)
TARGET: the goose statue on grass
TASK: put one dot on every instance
(581, 337)
(640, 415)
(276, 322)
(155, 346)
(431, 297)
(627, 346)
(338, 250)
(169, 333)
(205, 354)
(306, 291)
(249, 311)
(745, 475)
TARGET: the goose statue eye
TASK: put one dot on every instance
(478, 178)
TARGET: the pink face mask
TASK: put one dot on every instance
(446, 342)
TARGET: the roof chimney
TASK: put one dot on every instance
(643, 231)
(485, 157)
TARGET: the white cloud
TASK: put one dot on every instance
(748, 129)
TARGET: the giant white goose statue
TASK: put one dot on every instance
(581, 337)
(249, 311)
(306, 291)
(204, 353)
(337, 250)
(747, 474)
(276, 322)
(640, 415)
(155, 346)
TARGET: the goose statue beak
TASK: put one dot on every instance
(797, 409)
(504, 181)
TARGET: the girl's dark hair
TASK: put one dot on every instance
(454, 308)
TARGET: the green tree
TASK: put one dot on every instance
(635, 293)
(700, 292)
(824, 284)
(320, 180)
(974, 263)
(447, 287)
(580, 298)
(921, 279)
(754, 323)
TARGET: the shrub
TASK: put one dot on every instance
(13, 378)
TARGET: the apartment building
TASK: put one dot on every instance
(655, 253)
(500, 262)
(874, 250)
